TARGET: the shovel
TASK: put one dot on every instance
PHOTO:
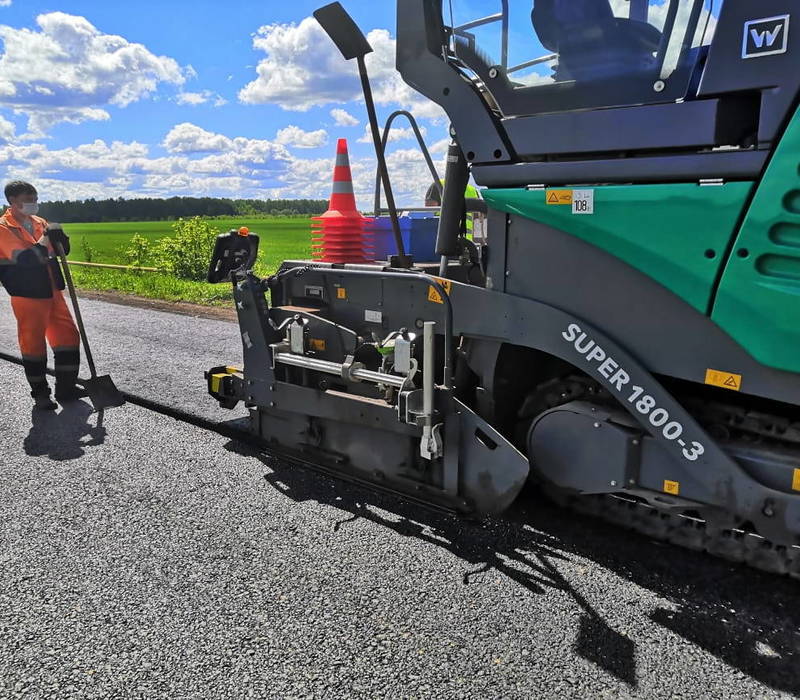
(101, 390)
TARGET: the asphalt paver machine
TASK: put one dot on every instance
(628, 335)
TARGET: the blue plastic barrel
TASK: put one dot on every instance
(418, 230)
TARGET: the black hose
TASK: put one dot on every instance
(422, 147)
(452, 216)
(381, 156)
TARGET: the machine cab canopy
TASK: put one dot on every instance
(606, 90)
(577, 54)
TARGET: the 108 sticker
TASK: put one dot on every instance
(642, 402)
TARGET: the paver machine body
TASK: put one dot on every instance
(629, 335)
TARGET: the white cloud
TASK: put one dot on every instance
(68, 70)
(344, 118)
(304, 69)
(5, 3)
(201, 162)
(41, 121)
(99, 169)
(94, 162)
(295, 136)
(190, 138)
(440, 147)
(7, 130)
(396, 134)
(199, 98)
(193, 98)
(225, 156)
(410, 176)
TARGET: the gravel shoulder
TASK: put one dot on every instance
(146, 558)
(216, 313)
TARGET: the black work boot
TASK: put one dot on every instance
(42, 400)
(36, 374)
(65, 394)
(67, 363)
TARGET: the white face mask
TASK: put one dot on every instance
(30, 208)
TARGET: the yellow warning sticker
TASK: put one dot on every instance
(673, 487)
(558, 197)
(433, 294)
(317, 344)
(796, 480)
(341, 293)
(726, 380)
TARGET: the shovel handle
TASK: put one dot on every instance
(76, 308)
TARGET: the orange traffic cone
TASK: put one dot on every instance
(341, 234)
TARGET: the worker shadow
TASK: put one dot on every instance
(528, 557)
(64, 435)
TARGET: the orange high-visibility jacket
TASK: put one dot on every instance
(25, 267)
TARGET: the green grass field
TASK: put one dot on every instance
(280, 239)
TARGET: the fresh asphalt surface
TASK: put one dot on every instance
(144, 557)
(151, 354)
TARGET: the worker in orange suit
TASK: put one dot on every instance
(30, 273)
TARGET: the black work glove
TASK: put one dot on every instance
(56, 235)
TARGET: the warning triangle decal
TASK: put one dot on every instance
(731, 382)
(553, 198)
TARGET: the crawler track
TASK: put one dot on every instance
(689, 532)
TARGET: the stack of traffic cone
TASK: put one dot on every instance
(341, 234)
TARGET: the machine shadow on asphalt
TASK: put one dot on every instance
(72, 425)
(711, 602)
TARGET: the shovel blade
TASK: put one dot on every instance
(102, 393)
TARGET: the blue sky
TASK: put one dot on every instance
(244, 98)
(152, 98)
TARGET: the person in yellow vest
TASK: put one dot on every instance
(433, 197)
(30, 273)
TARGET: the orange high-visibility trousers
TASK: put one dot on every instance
(42, 321)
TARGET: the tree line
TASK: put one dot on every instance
(151, 209)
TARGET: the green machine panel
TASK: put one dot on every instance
(677, 234)
(758, 302)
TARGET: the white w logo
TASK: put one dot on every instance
(766, 37)
(759, 38)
